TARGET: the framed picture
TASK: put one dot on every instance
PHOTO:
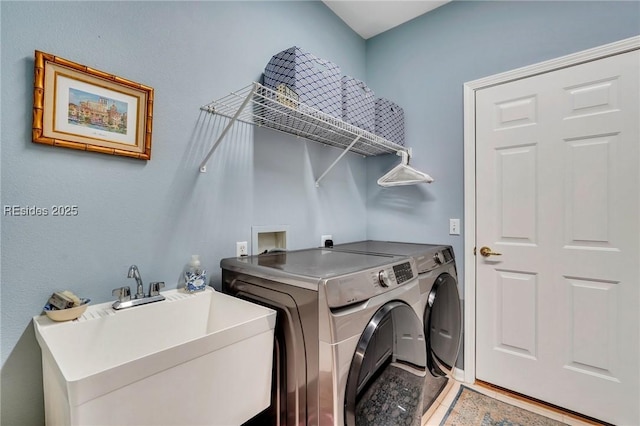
(78, 107)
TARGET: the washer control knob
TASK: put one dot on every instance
(383, 278)
(438, 258)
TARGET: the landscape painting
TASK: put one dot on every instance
(97, 112)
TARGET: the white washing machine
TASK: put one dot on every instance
(440, 307)
(349, 347)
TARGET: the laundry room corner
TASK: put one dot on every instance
(424, 64)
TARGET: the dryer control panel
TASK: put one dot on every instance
(360, 286)
(434, 258)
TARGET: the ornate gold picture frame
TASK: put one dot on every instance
(78, 107)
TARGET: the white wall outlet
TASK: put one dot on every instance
(241, 249)
(325, 238)
(454, 226)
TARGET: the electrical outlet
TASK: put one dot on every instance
(324, 238)
(454, 226)
(241, 249)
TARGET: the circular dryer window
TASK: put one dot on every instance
(443, 325)
(386, 378)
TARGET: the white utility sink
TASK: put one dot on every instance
(202, 358)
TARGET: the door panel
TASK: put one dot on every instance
(517, 313)
(558, 188)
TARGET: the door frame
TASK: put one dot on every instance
(470, 88)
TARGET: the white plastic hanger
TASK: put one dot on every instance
(404, 174)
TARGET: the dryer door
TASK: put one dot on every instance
(443, 325)
(386, 378)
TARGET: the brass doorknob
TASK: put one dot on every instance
(486, 252)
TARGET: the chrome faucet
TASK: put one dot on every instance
(124, 293)
(135, 273)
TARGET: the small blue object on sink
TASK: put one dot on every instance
(68, 314)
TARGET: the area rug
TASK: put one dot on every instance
(471, 408)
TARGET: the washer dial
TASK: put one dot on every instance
(383, 278)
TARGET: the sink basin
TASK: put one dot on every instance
(202, 358)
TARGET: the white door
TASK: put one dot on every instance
(558, 194)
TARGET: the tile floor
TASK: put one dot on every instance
(436, 413)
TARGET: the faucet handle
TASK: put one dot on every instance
(154, 288)
(122, 293)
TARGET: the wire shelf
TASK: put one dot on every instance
(261, 106)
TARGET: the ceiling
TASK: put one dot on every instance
(370, 18)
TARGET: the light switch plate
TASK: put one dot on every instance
(454, 226)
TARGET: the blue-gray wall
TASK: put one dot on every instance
(156, 214)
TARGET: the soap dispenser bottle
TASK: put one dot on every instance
(195, 276)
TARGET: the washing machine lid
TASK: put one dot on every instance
(423, 254)
(387, 247)
(320, 263)
(347, 277)
(315, 263)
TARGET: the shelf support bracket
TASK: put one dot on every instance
(203, 165)
(337, 159)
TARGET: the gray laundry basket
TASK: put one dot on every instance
(312, 81)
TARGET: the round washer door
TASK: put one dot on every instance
(443, 325)
(387, 373)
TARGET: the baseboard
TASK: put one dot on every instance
(458, 374)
